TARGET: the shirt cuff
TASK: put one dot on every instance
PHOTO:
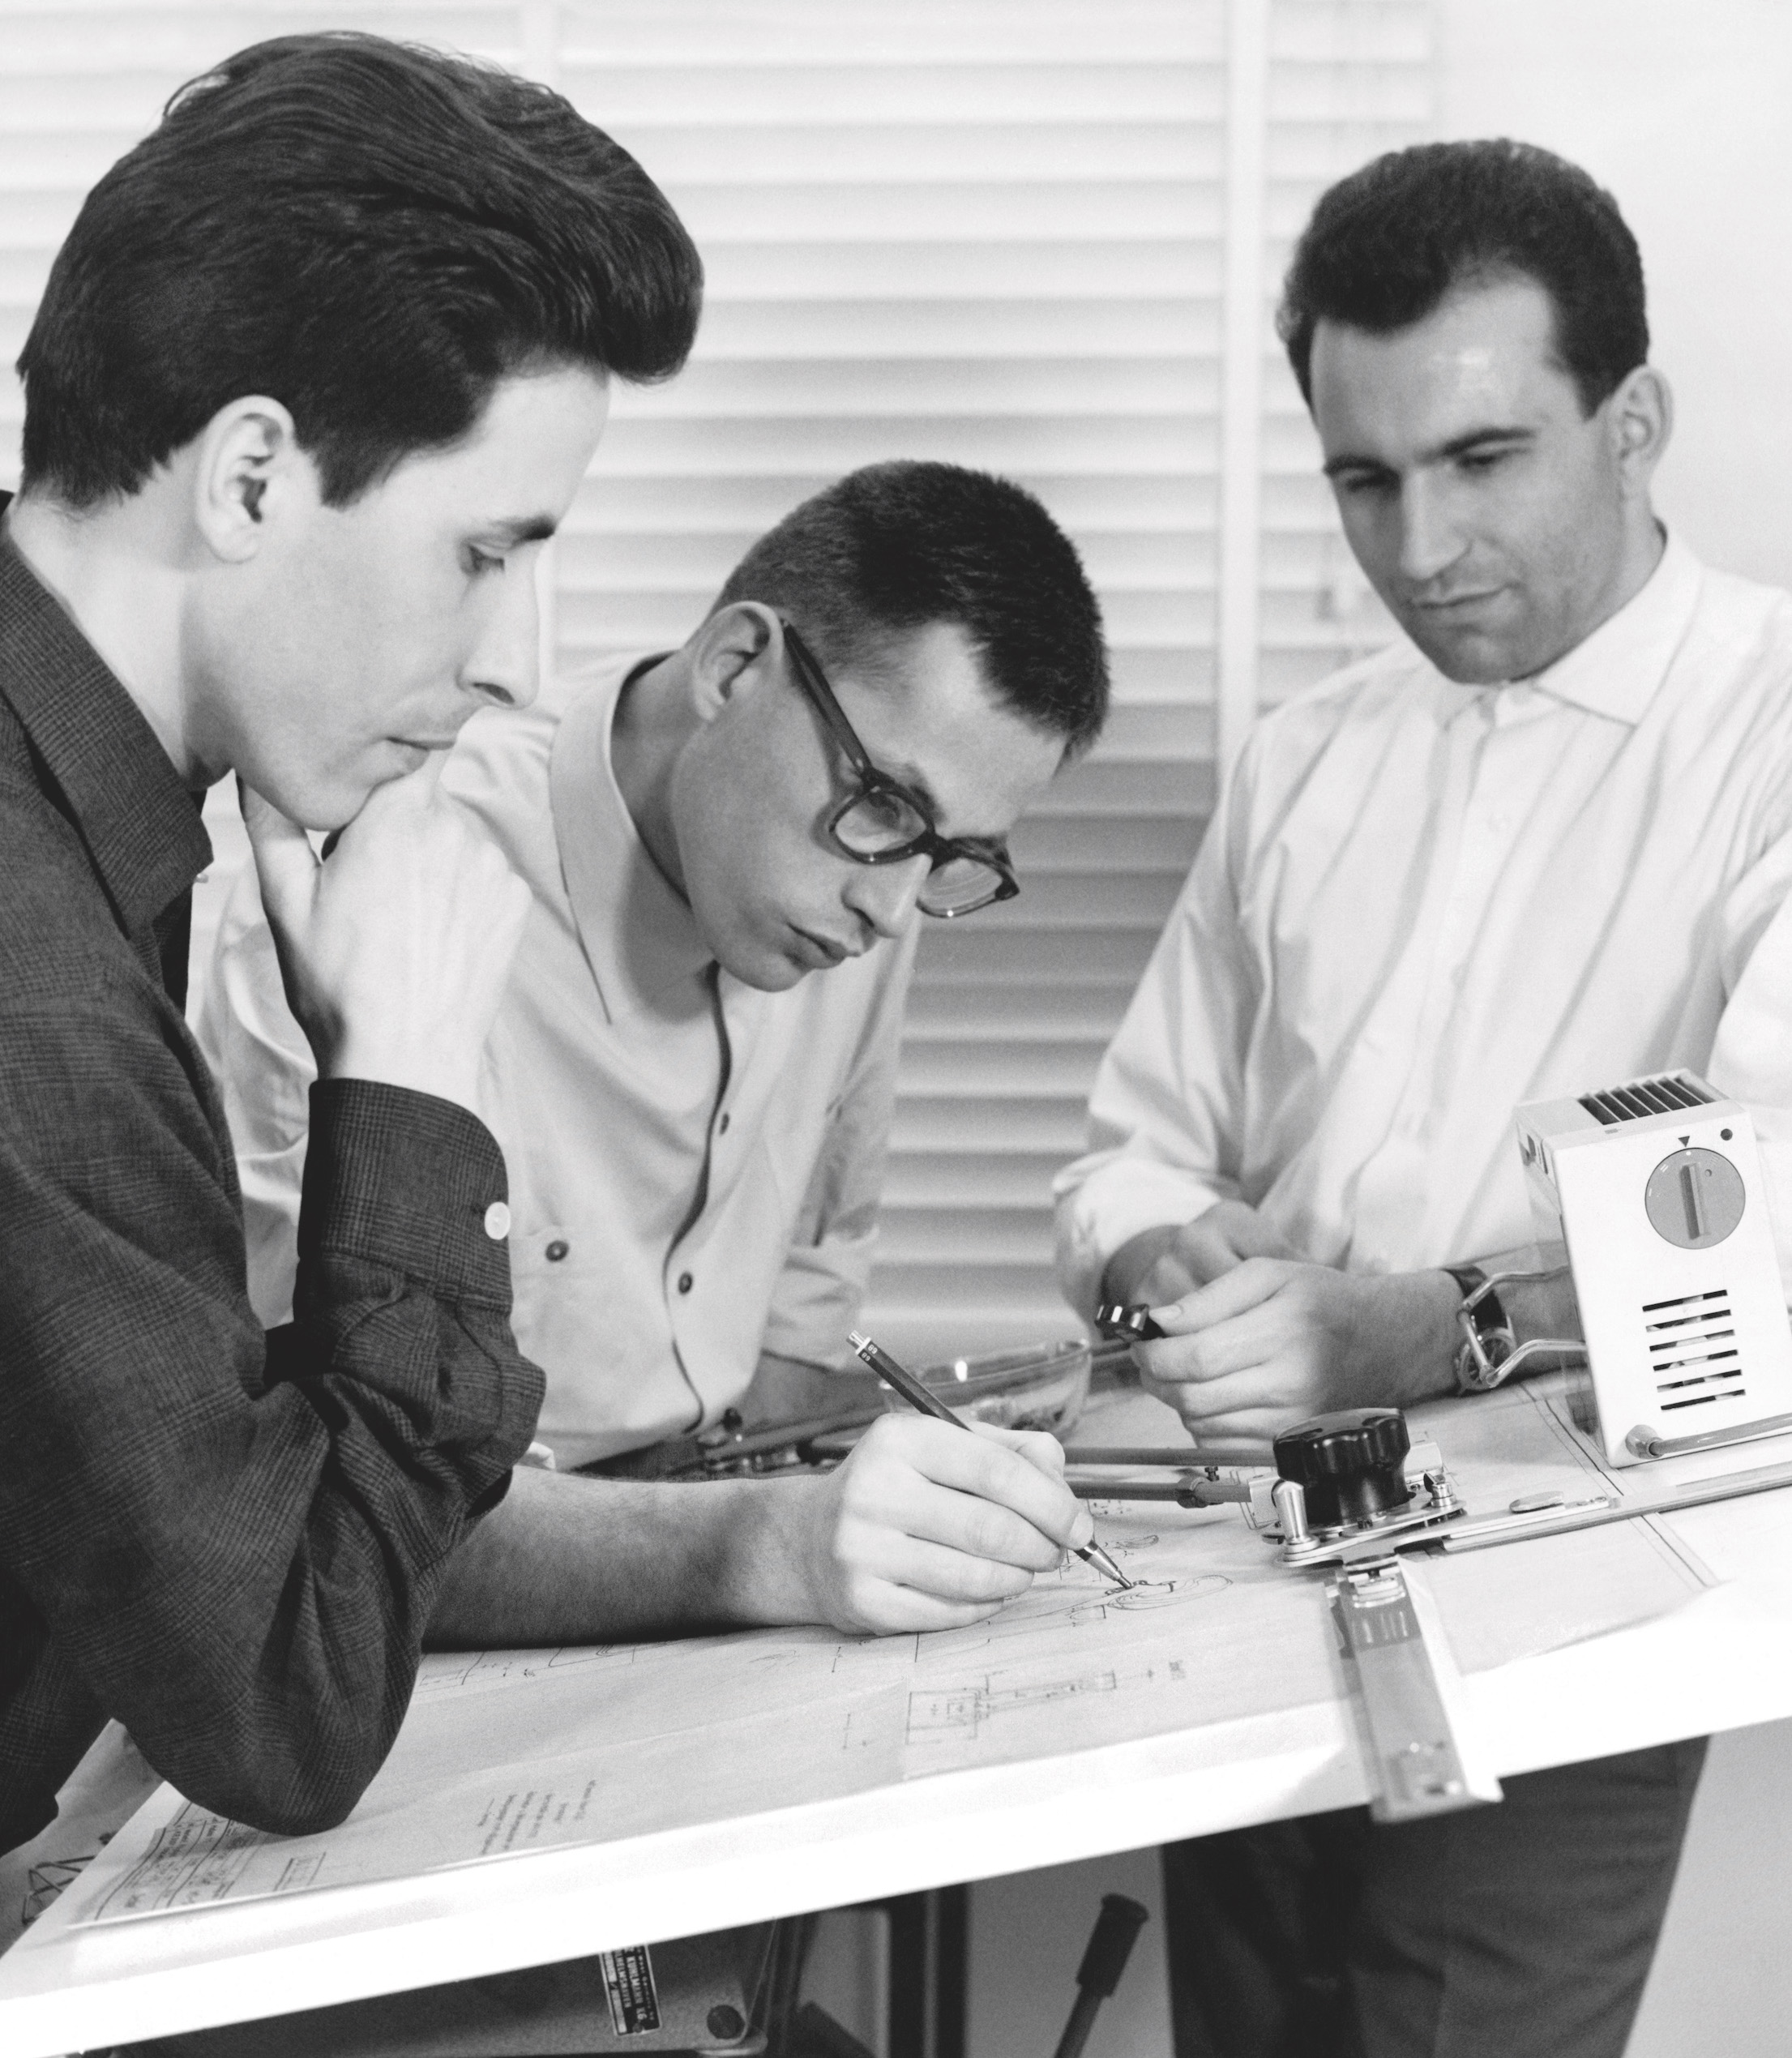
(408, 1181)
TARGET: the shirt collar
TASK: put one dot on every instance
(638, 934)
(1618, 669)
(114, 781)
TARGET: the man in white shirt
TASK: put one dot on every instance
(694, 1127)
(1535, 855)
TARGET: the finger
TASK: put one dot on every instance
(1035, 1445)
(1258, 1389)
(911, 1508)
(976, 1493)
(1233, 1345)
(411, 792)
(927, 1566)
(284, 860)
(1009, 1468)
(1245, 1286)
(888, 1610)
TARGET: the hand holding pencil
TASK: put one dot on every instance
(925, 1402)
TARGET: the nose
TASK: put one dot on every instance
(884, 895)
(1429, 541)
(504, 664)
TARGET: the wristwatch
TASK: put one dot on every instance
(1486, 1345)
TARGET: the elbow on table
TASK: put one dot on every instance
(286, 1787)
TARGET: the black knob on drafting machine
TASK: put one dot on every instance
(1349, 1464)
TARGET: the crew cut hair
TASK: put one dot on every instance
(1386, 244)
(372, 233)
(898, 546)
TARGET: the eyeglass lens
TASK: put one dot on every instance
(881, 821)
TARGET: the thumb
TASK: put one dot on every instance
(415, 790)
(284, 860)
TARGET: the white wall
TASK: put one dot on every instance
(1683, 110)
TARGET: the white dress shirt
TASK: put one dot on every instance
(1420, 904)
(693, 1164)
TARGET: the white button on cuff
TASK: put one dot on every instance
(497, 1222)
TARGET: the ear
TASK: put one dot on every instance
(1641, 415)
(249, 473)
(729, 654)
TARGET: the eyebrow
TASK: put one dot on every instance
(1471, 439)
(519, 529)
(911, 775)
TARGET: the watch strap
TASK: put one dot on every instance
(1486, 1335)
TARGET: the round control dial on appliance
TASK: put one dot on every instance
(1695, 1199)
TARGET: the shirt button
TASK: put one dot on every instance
(556, 1250)
(686, 1282)
(497, 1222)
(721, 1126)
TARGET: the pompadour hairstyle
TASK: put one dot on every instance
(1385, 245)
(373, 234)
(900, 545)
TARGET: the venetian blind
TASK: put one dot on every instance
(1019, 234)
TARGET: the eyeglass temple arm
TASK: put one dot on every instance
(816, 680)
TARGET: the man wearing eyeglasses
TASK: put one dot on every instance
(695, 1125)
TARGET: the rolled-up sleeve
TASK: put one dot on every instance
(1166, 1113)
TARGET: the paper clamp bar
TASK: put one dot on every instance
(1403, 1694)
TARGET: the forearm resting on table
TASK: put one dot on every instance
(568, 1559)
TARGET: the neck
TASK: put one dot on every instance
(1642, 543)
(655, 718)
(116, 576)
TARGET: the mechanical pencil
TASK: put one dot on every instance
(928, 1403)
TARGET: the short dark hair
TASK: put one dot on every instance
(1385, 245)
(899, 546)
(373, 234)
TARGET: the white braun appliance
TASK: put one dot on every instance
(1656, 1188)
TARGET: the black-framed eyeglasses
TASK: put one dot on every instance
(884, 824)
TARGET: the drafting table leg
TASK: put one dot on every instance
(929, 1966)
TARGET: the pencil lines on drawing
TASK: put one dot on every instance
(968, 1710)
(444, 1672)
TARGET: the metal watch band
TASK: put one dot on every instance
(1481, 1357)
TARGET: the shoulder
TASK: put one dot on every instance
(1741, 623)
(1728, 690)
(59, 942)
(1373, 695)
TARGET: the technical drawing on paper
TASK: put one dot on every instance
(603, 1744)
(968, 1708)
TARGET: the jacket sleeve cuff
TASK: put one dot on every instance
(407, 1181)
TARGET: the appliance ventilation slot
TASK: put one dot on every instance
(1664, 1094)
(1693, 1354)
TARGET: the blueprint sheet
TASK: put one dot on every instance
(505, 1752)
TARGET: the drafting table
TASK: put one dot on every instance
(728, 1780)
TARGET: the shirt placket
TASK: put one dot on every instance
(1391, 1178)
(1393, 1195)
(684, 1280)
